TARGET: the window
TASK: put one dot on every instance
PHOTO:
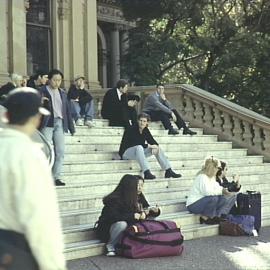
(38, 31)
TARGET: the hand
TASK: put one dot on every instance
(162, 96)
(143, 216)
(173, 117)
(154, 209)
(131, 103)
(236, 178)
(154, 149)
(137, 216)
(225, 191)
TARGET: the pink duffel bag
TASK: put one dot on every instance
(151, 238)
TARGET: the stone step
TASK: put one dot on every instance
(113, 155)
(87, 165)
(82, 148)
(104, 139)
(94, 200)
(84, 176)
(250, 182)
(95, 247)
(156, 131)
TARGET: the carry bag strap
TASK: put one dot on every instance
(163, 224)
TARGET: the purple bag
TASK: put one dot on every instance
(151, 238)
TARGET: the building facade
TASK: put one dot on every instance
(85, 37)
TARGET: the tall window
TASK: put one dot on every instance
(38, 30)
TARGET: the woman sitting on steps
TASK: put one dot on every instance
(206, 197)
(123, 207)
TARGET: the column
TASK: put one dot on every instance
(17, 36)
(91, 54)
(115, 55)
(4, 65)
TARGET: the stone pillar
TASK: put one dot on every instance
(91, 54)
(17, 36)
(103, 57)
(4, 49)
(115, 55)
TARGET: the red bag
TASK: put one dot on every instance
(151, 238)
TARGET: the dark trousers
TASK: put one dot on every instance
(165, 119)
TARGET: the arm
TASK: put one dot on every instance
(71, 127)
(37, 210)
(154, 100)
(208, 186)
(149, 138)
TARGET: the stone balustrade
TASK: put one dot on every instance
(216, 115)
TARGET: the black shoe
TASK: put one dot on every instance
(210, 221)
(189, 132)
(58, 182)
(173, 131)
(149, 175)
(170, 173)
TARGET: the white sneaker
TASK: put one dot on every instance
(89, 123)
(111, 254)
(79, 122)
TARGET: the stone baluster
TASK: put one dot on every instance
(217, 120)
(227, 125)
(237, 129)
(181, 108)
(198, 111)
(247, 135)
(257, 139)
(208, 115)
(266, 142)
(189, 110)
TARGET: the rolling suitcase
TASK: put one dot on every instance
(249, 203)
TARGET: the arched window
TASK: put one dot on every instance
(38, 31)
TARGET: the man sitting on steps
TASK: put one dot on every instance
(160, 109)
(138, 143)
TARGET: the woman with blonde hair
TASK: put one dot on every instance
(206, 197)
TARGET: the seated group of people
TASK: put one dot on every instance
(211, 196)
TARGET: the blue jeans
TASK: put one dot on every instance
(140, 154)
(210, 206)
(56, 136)
(87, 111)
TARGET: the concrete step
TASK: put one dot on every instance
(113, 155)
(87, 165)
(98, 139)
(82, 148)
(156, 131)
(84, 176)
(250, 181)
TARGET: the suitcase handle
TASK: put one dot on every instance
(165, 226)
(251, 191)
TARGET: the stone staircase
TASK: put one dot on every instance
(92, 169)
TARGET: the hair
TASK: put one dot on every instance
(209, 167)
(121, 83)
(16, 119)
(41, 73)
(125, 192)
(221, 169)
(144, 115)
(55, 72)
(160, 84)
(16, 78)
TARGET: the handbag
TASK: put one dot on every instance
(229, 228)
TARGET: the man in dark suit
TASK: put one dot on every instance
(160, 109)
(115, 105)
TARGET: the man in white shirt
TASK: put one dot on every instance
(30, 229)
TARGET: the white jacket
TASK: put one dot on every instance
(203, 186)
(28, 203)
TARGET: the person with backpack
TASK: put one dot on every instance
(124, 206)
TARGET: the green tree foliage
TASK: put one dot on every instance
(222, 46)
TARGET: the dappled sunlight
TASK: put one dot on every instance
(252, 257)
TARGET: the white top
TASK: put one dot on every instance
(57, 104)
(28, 203)
(119, 93)
(203, 186)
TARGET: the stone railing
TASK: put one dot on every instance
(214, 114)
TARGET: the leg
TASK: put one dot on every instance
(163, 117)
(75, 110)
(225, 204)
(179, 122)
(89, 110)
(205, 206)
(137, 153)
(116, 231)
(162, 160)
(59, 147)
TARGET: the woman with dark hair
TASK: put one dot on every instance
(232, 186)
(123, 207)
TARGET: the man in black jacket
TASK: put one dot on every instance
(138, 143)
(81, 103)
(115, 105)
